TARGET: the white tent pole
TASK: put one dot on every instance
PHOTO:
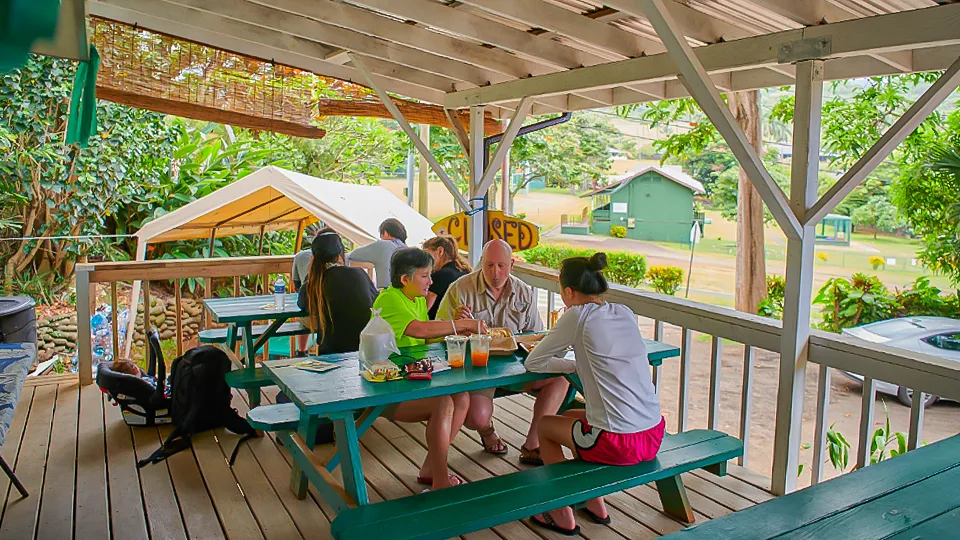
(477, 221)
(141, 255)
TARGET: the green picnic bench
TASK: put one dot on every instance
(911, 496)
(479, 505)
(216, 336)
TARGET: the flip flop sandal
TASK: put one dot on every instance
(548, 523)
(595, 518)
(498, 447)
(454, 479)
(530, 456)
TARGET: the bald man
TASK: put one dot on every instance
(494, 296)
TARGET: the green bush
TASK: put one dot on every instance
(772, 305)
(618, 231)
(861, 300)
(665, 279)
(622, 267)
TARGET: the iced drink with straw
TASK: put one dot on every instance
(456, 350)
(480, 349)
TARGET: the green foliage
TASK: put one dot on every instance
(878, 213)
(883, 438)
(665, 279)
(838, 449)
(618, 231)
(726, 188)
(861, 300)
(864, 299)
(772, 305)
(574, 153)
(929, 195)
(50, 189)
(622, 267)
(876, 262)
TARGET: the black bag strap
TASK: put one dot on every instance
(247, 437)
(168, 448)
(156, 360)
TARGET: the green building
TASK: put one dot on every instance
(653, 203)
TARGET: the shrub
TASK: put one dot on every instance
(772, 305)
(622, 267)
(863, 299)
(877, 262)
(618, 231)
(823, 256)
(665, 279)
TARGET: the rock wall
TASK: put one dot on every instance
(58, 335)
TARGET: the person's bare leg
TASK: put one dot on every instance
(480, 419)
(597, 506)
(555, 433)
(551, 396)
(439, 414)
(302, 343)
(461, 407)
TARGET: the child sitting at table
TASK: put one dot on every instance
(403, 305)
(621, 424)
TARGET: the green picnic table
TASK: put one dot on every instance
(352, 404)
(912, 496)
(240, 313)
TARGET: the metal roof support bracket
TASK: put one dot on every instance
(805, 49)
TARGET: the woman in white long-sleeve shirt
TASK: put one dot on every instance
(622, 423)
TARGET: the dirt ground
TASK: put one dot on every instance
(942, 420)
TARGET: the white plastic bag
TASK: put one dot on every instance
(377, 341)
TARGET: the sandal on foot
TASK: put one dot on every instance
(454, 480)
(595, 518)
(530, 456)
(547, 522)
(497, 447)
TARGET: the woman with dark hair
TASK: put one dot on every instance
(403, 305)
(393, 236)
(622, 423)
(448, 266)
(337, 297)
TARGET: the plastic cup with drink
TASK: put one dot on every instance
(480, 349)
(456, 350)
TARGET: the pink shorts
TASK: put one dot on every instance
(599, 446)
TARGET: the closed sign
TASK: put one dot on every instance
(514, 231)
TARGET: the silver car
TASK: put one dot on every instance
(937, 336)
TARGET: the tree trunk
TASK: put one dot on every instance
(751, 277)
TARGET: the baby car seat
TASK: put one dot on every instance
(143, 400)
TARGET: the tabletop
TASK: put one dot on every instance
(909, 496)
(244, 309)
(15, 361)
(343, 389)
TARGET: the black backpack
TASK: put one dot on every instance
(200, 400)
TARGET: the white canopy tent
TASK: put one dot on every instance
(275, 199)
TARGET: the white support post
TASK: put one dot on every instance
(746, 404)
(423, 175)
(683, 407)
(695, 78)
(405, 126)
(900, 130)
(915, 434)
(867, 400)
(516, 122)
(716, 354)
(796, 313)
(475, 223)
(84, 350)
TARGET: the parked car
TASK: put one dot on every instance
(937, 336)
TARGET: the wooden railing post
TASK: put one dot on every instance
(746, 403)
(713, 414)
(84, 349)
(820, 429)
(683, 407)
(916, 420)
(866, 421)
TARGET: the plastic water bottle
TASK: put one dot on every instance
(280, 293)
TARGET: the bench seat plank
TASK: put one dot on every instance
(278, 417)
(479, 505)
(833, 497)
(219, 335)
(248, 379)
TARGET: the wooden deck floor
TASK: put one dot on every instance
(77, 458)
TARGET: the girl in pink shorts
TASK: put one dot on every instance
(621, 424)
